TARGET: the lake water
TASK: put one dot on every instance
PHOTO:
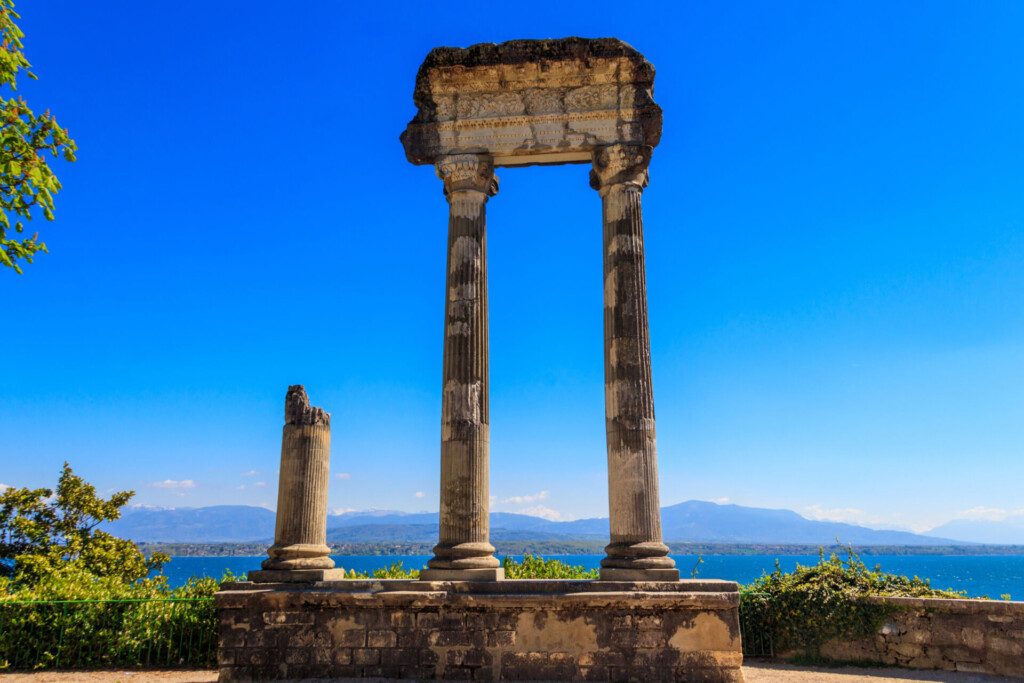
(991, 575)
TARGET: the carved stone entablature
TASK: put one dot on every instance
(532, 101)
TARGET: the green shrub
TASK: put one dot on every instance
(812, 605)
(72, 596)
(76, 620)
(73, 619)
(396, 570)
(531, 567)
(535, 567)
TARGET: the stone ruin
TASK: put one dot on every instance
(518, 103)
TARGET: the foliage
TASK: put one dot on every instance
(535, 567)
(43, 532)
(814, 604)
(396, 570)
(531, 567)
(74, 596)
(26, 181)
(71, 619)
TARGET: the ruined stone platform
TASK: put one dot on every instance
(550, 630)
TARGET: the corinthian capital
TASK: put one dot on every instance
(620, 165)
(474, 172)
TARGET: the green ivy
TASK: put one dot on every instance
(804, 609)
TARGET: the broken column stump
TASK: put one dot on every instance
(300, 551)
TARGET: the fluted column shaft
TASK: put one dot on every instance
(300, 536)
(636, 551)
(464, 550)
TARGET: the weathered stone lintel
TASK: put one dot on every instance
(531, 52)
(532, 102)
(520, 140)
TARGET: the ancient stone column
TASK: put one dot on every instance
(300, 551)
(636, 551)
(464, 552)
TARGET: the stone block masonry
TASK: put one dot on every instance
(978, 636)
(512, 630)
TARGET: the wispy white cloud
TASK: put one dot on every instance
(4, 487)
(528, 504)
(343, 476)
(174, 484)
(259, 485)
(250, 473)
(420, 494)
(524, 500)
(721, 501)
(341, 511)
(989, 514)
(542, 511)
(852, 515)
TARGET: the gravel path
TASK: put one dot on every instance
(177, 676)
(784, 673)
(754, 673)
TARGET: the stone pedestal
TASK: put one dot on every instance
(464, 551)
(508, 630)
(300, 551)
(636, 551)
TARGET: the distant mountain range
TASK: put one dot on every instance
(691, 521)
(1009, 531)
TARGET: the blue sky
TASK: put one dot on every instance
(835, 237)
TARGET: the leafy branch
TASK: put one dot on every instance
(27, 183)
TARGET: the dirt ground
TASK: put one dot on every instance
(784, 673)
(176, 676)
(754, 673)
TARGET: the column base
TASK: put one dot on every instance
(488, 574)
(295, 575)
(298, 556)
(619, 574)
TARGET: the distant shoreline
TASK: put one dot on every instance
(588, 548)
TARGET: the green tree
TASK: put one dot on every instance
(27, 185)
(45, 532)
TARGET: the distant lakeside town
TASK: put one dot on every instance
(589, 548)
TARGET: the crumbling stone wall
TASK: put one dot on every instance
(980, 636)
(406, 630)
